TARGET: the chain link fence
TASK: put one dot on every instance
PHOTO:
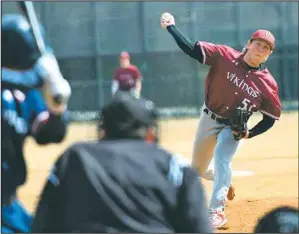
(87, 38)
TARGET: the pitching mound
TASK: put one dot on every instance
(243, 215)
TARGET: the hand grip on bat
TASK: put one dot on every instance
(58, 99)
(57, 90)
(57, 95)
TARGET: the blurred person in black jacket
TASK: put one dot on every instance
(124, 182)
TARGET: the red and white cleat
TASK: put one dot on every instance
(217, 219)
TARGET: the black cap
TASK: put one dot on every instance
(127, 113)
(279, 220)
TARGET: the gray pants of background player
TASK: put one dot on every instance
(214, 141)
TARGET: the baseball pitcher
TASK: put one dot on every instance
(238, 83)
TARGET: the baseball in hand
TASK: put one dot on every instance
(166, 20)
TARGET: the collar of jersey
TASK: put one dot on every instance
(249, 68)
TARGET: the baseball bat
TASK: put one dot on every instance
(28, 11)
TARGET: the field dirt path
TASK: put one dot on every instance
(271, 157)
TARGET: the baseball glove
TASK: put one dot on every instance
(238, 123)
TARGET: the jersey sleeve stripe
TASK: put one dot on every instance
(272, 116)
(203, 53)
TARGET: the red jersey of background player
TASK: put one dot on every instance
(231, 83)
(127, 75)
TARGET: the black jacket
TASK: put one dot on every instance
(121, 186)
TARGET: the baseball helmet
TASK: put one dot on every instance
(264, 35)
(126, 114)
(283, 219)
(19, 50)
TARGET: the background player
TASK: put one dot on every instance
(235, 80)
(127, 77)
(124, 182)
(26, 111)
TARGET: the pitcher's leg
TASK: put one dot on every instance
(224, 151)
(203, 154)
(204, 144)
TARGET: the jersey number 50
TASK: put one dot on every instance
(247, 105)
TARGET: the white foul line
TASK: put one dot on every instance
(235, 173)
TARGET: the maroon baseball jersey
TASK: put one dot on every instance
(230, 83)
(127, 77)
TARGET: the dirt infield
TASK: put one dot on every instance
(271, 160)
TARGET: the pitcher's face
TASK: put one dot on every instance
(258, 51)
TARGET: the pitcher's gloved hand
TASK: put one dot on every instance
(238, 123)
(239, 135)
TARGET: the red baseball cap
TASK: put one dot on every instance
(124, 55)
(264, 35)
